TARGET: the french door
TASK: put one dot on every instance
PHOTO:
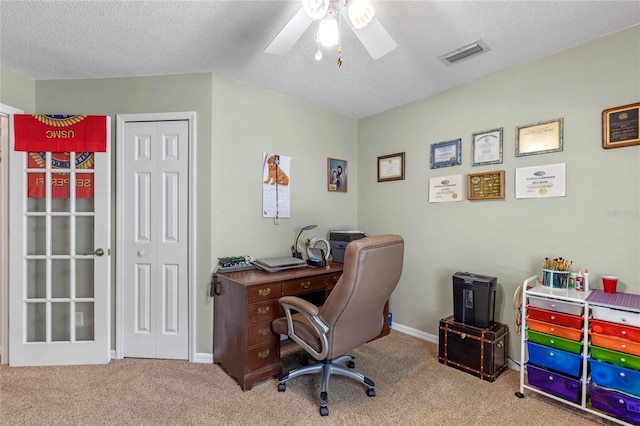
(59, 257)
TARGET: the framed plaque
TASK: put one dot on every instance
(486, 186)
(445, 154)
(391, 167)
(486, 147)
(539, 138)
(621, 126)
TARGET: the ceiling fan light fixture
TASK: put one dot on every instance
(316, 9)
(328, 30)
(360, 13)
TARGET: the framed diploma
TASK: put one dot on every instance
(541, 181)
(391, 167)
(621, 126)
(486, 186)
(445, 154)
(539, 138)
(486, 147)
(445, 189)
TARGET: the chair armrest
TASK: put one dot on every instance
(292, 304)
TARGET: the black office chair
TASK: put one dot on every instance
(351, 316)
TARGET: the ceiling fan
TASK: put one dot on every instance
(358, 14)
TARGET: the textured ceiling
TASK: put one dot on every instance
(99, 39)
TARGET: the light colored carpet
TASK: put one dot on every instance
(412, 388)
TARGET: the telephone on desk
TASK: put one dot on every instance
(234, 264)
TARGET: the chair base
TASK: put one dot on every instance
(329, 367)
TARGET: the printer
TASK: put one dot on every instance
(338, 241)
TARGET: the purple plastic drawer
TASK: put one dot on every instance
(614, 377)
(617, 404)
(554, 383)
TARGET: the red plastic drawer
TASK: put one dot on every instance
(613, 329)
(554, 329)
(615, 343)
(555, 317)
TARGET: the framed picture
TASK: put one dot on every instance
(486, 147)
(391, 167)
(486, 186)
(445, 154)
(539, 138)
(621, 126)
(336, 175)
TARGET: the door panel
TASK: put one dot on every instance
(156, 252)
(59, 283)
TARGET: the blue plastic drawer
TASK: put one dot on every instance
(614, 377)
(555, 359)
(554, 383)
(617, 404)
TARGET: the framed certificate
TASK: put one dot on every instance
(544, 181)
(486, 147)
(539, 138)
(445, 154)
(621, 126)
(391, 167)
(486, 186)
(445, 189)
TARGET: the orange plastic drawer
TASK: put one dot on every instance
(554, 329)
(615, 343)
(613, 329)
(555, 317)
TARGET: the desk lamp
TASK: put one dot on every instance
(294, 248)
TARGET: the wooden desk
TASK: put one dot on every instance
(246, 303)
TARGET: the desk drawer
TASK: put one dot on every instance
(263, 312)
(554, 329)
(260, 333)
(616, 315)
(260, 294)
(304, 285)
(555, 317)
(262, 355)
(556, 305)
(615, 343)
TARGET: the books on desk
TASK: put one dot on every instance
(275, 264)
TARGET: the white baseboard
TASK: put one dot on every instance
(207, 358)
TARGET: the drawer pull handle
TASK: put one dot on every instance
(552, 329)
(623, 346)
(305, 284)
(264, 292)
(623, 319)
(621, 401)
(553, 317)
(463, 336)
(264, 310)
(622, 360)
(553, 305)
(550, 353)
(551, 378)
(624, 332)
(263, 331)
(263, 354)
(622, 374)
(552, 341)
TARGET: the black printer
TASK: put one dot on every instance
(338, 241)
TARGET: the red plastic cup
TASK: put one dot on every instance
(609, 284)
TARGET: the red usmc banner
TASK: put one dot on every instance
(60, 133)
(60, 181)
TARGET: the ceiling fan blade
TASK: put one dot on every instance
(290, 34)
(373, 37)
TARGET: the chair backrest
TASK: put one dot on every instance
(353, 311)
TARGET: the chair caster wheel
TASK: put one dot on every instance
(324, 411)
(351, 364)
(371, 392)
(282, 387)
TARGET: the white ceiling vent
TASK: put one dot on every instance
(465, 52)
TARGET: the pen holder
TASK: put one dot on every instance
(555, 279)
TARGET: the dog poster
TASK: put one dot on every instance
(276, 179)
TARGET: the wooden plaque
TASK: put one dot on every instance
(486, 186)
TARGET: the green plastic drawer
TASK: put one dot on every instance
(555, 342)
(614, 357)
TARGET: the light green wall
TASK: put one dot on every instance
(16, 90)
(597, 225)
(235, 124)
